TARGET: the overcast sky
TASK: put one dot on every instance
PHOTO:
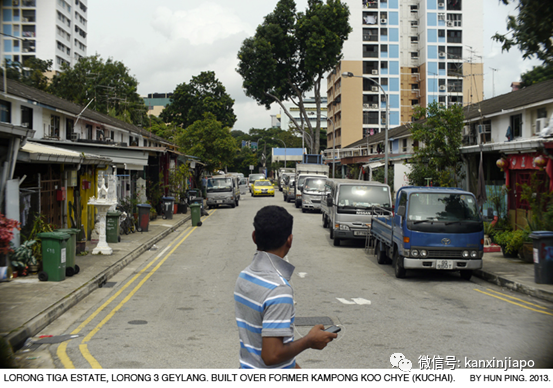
(167, 42)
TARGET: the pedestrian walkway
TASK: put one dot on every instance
(28, 305)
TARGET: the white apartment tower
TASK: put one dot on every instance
(418, 51)
(44, 29)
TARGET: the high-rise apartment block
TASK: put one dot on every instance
(408, 52)
(44, 29)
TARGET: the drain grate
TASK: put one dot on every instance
(138, 322)
(312, 321)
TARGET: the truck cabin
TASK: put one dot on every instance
(448, 207)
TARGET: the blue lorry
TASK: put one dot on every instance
(432, 228)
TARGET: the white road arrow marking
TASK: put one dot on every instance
(360, 301)
(302, 274)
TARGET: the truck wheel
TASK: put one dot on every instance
(380, 255)
(325, 222)
(466, 274)
(303, 210)
(400, 272)
(297, 204)
(233, 205)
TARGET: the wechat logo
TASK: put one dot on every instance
(398, 360)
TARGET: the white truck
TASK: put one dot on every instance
(304, 170)
(280, 176)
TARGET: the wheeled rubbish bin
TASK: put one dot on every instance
(168, 207)
(143, 217)
(543, 256)
(54, 256)
(71, 268)
(196, 213)
(112, 227)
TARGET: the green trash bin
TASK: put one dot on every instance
(54, 256)
(196, 212)
(112, 227)
(71, 268)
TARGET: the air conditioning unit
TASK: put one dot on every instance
(383, 119)
(366, 106)
(75, 136)
(442, 103)
(442, 87)
(383, 21)
(442, 54)
(375, 72)
(375, 89)
(374, 106)
(541, 124)
(450, 24)
(441, 4)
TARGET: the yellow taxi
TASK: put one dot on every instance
(263, 187)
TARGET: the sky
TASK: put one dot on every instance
(164, 43)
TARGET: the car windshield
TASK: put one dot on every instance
(363, 196)
(219, 184)
(255, 177)
(262, 183)
(314, 185)
(442, 207)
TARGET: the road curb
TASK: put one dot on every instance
(513, 285)
(17, 337)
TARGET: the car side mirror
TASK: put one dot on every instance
(401, 211)
(328, 200)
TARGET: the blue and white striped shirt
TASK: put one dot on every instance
(264, 304)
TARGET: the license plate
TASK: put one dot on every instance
(444, 264)
(360, 233)
(219, 201)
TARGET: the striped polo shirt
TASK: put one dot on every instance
(264, 304)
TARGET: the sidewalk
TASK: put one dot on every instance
(27, 305)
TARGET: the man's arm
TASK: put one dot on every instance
(274, 351)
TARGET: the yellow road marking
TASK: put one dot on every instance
(520, 300)
(515, 303)
(62, 349)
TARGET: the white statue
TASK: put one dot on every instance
(103, 190)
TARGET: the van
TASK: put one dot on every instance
(313, 193)
(222, 190)
(289, 188)
(348, 207)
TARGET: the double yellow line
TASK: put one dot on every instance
(516, 301)
(83, 347)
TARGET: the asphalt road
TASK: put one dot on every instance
(174, 307)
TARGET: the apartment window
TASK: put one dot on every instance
(414, 8)
(384, 31)
(516, 125)
(441, 65)
(384, 64)
(454, 20)
(404, 145)
(89, 132)
(26, 117)
(55, 126)
(5, 111)
(370, 117)
(414, 54)
(69, 124)
(542, 113)
(415, 39)
(441, 33)
(112, 134)
(455, 85)
(384, 81)
(454, 52)
(454, 36)
(454, 5)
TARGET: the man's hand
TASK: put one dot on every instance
(318, 338)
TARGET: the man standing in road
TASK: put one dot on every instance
(264, 299)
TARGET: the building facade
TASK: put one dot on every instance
(156, 102)
(45, 29)
(404, 54)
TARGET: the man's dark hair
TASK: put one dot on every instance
(273, 225)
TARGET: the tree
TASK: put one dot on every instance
(31, 72)
(204, 93)
(108, 82)
(537, 74)
(290, 54)
(208, 140)
(439, 137)
(531, 30)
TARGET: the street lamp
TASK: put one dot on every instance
(264, 156)
(284, 149)
(386, 147)
(333, 142)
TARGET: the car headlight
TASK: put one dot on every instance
(343, 227)
(474, 254)
(424, 253)
(466, 254)
(414, 253)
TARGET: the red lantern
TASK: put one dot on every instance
(540, 162)
(501, 163)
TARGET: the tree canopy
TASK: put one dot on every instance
(109, 83)
(208, 140)
(289, 55)
(537, 74)
(31, 72)
(531, 30)
(439, 137)
(204, 93)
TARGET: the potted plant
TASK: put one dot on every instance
(503, 239)
(23, 260)
(39, 226)
(7, 226)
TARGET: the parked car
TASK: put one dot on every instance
(263, 187)
(252, 178)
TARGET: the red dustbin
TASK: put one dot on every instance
(143, 217)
